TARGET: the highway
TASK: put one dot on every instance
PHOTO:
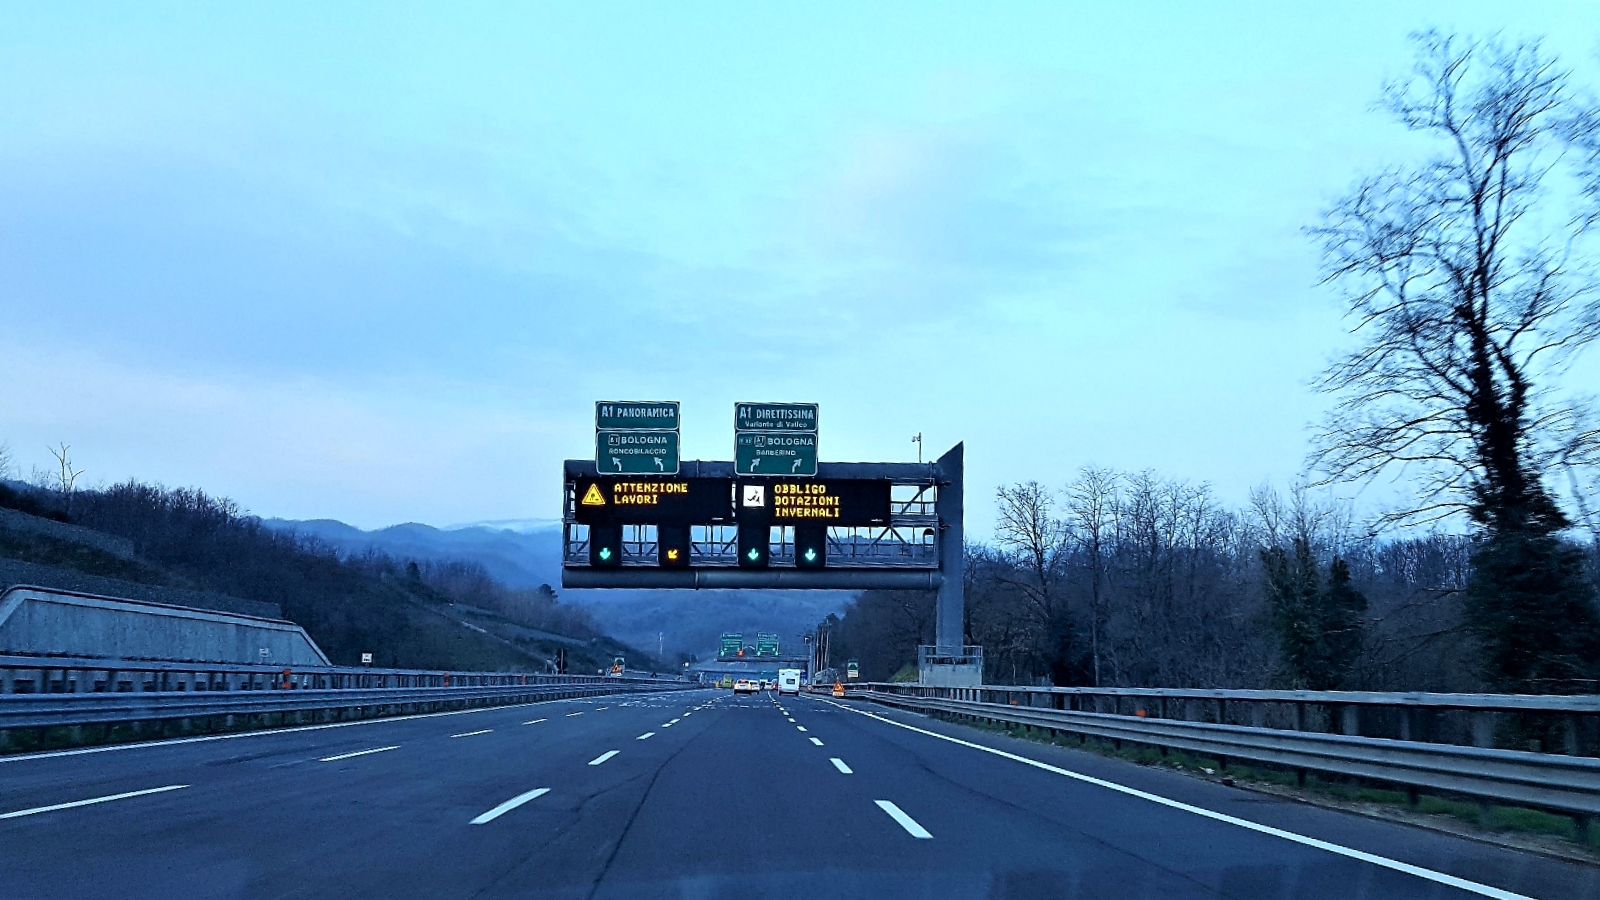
(698, 794)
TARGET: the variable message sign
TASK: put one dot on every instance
(636, 452)
(642, 500)
(772, 453)
(835, 501)
(636, 415)
(775, 417)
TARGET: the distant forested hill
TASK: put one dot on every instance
(688, 622)
(186, 547)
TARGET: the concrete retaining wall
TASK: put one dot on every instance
(43, 621)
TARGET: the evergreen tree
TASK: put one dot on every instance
(1531, 605)
(1319, 629)
(1341, 612)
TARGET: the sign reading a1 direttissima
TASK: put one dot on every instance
(775, 439)
(775, 417)
(636, 437)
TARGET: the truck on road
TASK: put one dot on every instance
(789, 681)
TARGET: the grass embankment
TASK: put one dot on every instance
(1483, 819)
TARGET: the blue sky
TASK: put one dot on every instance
(376, 262)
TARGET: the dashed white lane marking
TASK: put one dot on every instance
(533, 721)
(578, 713)
(603, 757)
(602, 709)
(839, 764)
(509, 805)
(357, 753)
(1472, 887)
(817, 742)
(265, 732)
(801, 727)
(647, 734)
(673, 722)
(906, 822)
(90, 802)
(472, 733)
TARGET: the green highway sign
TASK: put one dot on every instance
(636, 452)
(641, 415)
(731, 644)
(766, 644)
(775, 417)
(770, 453)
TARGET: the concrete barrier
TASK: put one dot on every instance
(44, 621)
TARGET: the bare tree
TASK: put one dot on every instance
(6, 462)
(1467, 278)
(1037, 540)
(66, 477)
(1467, 285)
(1091, 505)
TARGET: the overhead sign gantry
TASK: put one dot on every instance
(638, 516)
(776, 520)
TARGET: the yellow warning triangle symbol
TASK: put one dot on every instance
(593, 497)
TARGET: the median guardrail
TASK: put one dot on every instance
(1563, 783)
(40, 692)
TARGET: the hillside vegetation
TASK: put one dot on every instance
(184, 546)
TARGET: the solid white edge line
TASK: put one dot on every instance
(647, 734)
(357, 753)
(509, 805)
(839, 764)
(603, 757)
(472, 733)
(90, 802)
(906, 822)
(817, 742)
(1473, 887)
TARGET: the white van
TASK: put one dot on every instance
(789, 681)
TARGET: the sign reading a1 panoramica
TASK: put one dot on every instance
(636, 437)
(775, 439)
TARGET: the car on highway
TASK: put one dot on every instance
(744, 686)
(789, 681)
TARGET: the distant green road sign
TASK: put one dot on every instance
(624, 415)
(731, 644)
(636, 452)
(775, 417)
(852, 669)
(766, 644)
(768, 453)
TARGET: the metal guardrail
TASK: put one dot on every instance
(1567, 784)
(21, 674)
(48, 691)
(1569, 723)
(54, 710)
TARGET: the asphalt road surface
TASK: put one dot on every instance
(693, 795)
